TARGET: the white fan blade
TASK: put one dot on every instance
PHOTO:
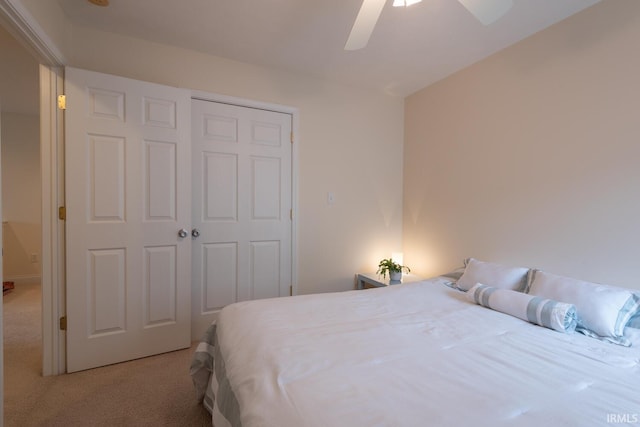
(487, 11)
(365, 22)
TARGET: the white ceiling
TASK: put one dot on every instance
(410, 47)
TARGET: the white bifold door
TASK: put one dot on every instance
(128, 196)
(242, 178)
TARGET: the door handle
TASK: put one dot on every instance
(195, 233)
(183, 233)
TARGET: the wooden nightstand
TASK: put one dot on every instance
(373, 280)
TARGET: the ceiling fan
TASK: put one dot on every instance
(486, 11)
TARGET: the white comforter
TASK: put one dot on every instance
(417, 354)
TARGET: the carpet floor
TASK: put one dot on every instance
(154, 391)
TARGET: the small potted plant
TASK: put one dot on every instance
(393, 268)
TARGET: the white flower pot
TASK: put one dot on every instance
(395, 276)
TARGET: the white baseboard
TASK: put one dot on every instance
(22, 279)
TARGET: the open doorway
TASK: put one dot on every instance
(21, 215)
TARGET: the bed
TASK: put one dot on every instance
(415, 354)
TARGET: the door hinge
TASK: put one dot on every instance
(63, 323)
(291, 214)
(291, 290)
(292, 137)
(62, 213)
(62, 102)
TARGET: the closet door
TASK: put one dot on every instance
(242, 199)
(128, 195)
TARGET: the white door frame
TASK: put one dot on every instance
(53, 229)
(1, 305)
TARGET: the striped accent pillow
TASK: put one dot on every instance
(551, 314)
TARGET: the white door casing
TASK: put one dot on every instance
(242, 202)
(127, 195)
(53, 229)
(1, 275)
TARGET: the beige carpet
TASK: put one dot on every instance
(154, 391)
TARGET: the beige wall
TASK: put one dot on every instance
(350, 143)
(21, 196)
(531, 156)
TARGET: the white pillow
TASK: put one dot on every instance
(602, 310)
(494, 275)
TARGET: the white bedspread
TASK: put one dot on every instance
(417, 354)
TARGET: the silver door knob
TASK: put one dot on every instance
(195, 233)
(183, 233)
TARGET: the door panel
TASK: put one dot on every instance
(220, 281)
(242, 191)
(160, 186)
(106, 178)
(220, 185)
(107, 284)
(265, 269)
(128, 194)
